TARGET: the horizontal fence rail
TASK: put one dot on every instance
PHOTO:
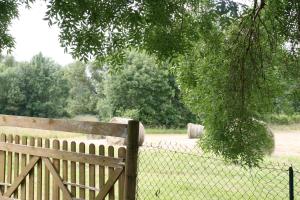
(86, 127)
(63, 155)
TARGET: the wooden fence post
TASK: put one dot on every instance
(131, 160)
(291, 183)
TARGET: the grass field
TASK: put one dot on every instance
(165, 131)
(173, 175)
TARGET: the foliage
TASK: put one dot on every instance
(142, 90)
(8, 12)
(243, 51)
(94, 28)
(233, 78)
(82, 97)
(288, 100)
(37, 88)
(131, 113)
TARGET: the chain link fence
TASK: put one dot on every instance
(171, 172)
(297, 182)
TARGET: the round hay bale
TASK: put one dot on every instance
(194, 130)
(123, 141)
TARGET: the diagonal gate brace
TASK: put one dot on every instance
(21, 177)
(57, 178)
(109, 184)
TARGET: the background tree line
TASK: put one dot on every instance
(138, 88)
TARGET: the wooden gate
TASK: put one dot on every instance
(36, 168)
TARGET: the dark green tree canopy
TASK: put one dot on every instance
(82, 97)
(142, 90)
(37, 88)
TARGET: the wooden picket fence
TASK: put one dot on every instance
(36, 168)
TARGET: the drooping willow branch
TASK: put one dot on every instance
(246, 67)
(257, 9)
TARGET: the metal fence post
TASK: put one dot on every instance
(131, 160)
(291, 182)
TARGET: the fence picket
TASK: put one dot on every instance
(121, 184)
(47, 176)
(31, 173)
(110, 173)
(9, 162)
(73, 171)
(82, 172)
(23, 165)
(92, 174)
(65, 164)
(16, 165)
(39, 174)
(56, 164)
(2, 165)
(101, 168)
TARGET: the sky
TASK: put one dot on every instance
(33, 35)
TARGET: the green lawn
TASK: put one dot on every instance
(168, 175)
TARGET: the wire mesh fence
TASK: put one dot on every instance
(175, 172)
(297, 183)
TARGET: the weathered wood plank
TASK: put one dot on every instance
(23, 165)
(110, 182)
(56, 165)
(31, 174)
(92, 174)
(73, 171)
(121, 183)
(39, 174)
(21, 177)
(47, 176)
(2, 165)
(57, 179)
(96, 128)
(9, 161)
(16, 163)
(101, 168)
(65, 163)
(82, 172)
(63, 155)
(82, 186)
(111, 195)
(131, 160)
(6, 198)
